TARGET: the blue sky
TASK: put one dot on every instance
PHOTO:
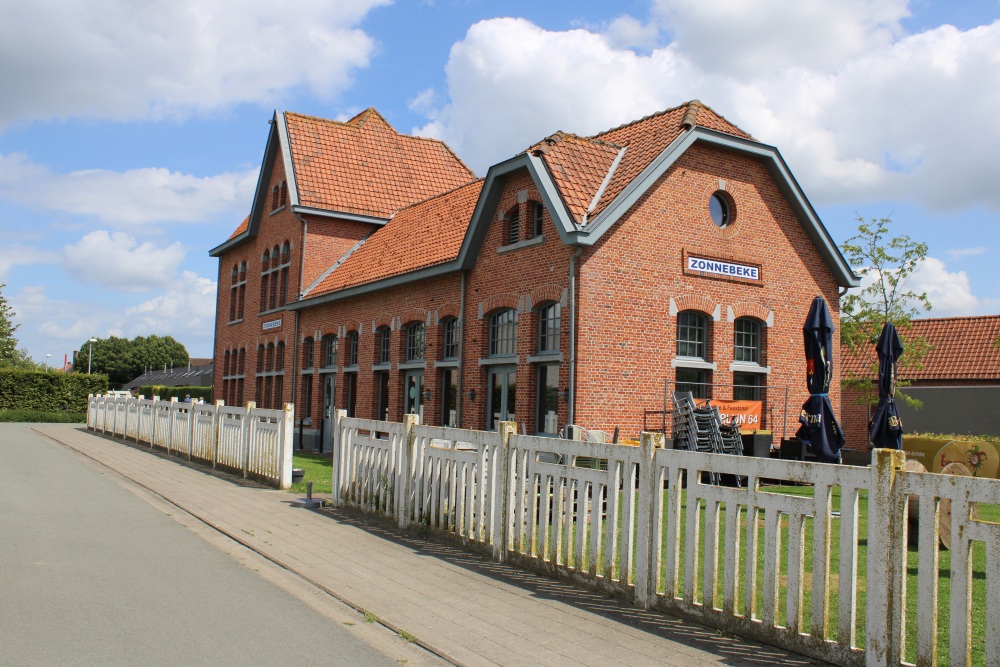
(131, 134)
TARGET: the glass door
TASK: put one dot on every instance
(329, 386)
(414, 403)
(502, 395)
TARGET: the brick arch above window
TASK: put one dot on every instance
(544, 293)
(513, 199)
(383, 319)
(414, 315)
(447, 310)
(691, 302)
(498, 301)
(750, 309)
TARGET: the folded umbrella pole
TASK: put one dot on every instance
(886, 429)
(818, 425)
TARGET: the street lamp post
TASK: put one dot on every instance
(47, 361)
(90, 356)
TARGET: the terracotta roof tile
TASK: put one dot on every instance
(580, 165)
(422, 235)
(961, 348)
(242, 228)
(365, 167)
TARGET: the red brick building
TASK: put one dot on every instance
(376, 274)
(958, 380)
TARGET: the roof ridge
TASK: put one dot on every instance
(352, 123)
(435, 196)
(561, 135)
(640, 120)
(953, 317)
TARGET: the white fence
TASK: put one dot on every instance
(812, 557)
(254, 442)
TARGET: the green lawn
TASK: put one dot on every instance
(319, 471)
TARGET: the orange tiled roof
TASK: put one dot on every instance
(365, 167)
(419, 236)
(961, 348)
(242, 228)
(580, 165)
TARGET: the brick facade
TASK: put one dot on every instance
(622, 293)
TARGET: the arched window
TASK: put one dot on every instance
(275, 198)
(747, 340)
(225, 364)
(382, 342)
(513, 226)
(308, 349)
(242, 367)
(286, 261)
(329, 351)
(260, 358)
(416, 341)
(234, 293)
(265, 277)
(279, 357)
(449, 335)
(503, 333)
(269, 359)
(352, 348)
(549, 320)
(691, 334)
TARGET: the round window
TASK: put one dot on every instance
(718, 208)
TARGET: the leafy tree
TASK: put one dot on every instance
(8, 343)
(123, 360)
(885, 263)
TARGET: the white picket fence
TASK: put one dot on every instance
(819, 566)
(254, 442)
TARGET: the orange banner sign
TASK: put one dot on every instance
(746, 413)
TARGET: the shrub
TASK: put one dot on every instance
(48, 391)
(166, 393)
(39, 416)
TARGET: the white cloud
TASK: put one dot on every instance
(860, 111)
(755, 38)
(12, 255)
(959, 253)
(135, 197)
(626, 32)
(117, 261)
(185, 310)
(122, 60)
(949, 292)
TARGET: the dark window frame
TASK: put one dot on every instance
(416, 341)
(549, 326)
(692, 335)
(503, 333)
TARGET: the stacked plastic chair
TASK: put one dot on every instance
(700, 429)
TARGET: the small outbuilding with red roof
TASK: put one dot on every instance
(377, 274)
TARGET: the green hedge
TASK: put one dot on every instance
(38, 416)
(166, 393)
(48, 391)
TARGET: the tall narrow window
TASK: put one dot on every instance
(265, 277)
(537, 210)
(307, 392)
(352, 348)
(279, 357)
(416, 337)
(269, 358)
(260, 358)
(503, 333)
(382, 342)
(234, 293)
(513, 226)
(450, 334)
(308, 349)
(548, 327)
(746, 340)
(548, 399)
(286, 261)
(329, 351)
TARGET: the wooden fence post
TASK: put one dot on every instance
(171, 411)
(249, 430)
(503, 482)
(216, 430)
(286, 439)
(649, 501)
(886, 560)
(404, 471)
(338, 456)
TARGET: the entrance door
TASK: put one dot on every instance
(414, 403)
(503, 392)
(329, 387)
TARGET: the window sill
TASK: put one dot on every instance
(446, 363)
(412, 365)
(387, 366)
(278, 210)
(691, 362)
(238, 321)
(545, 358)
(743, 367)
(352, 368)
(326, 370)
(308, 371)
(505, 360)
(522, 244)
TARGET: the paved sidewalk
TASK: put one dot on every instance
(462, 606)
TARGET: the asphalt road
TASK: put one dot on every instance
(94, 573)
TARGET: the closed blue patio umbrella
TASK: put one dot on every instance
(818, 426)
(886, 430)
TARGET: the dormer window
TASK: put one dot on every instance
(513, 226)
(279, 196)
(537, 210)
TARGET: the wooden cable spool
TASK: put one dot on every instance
(944, 510)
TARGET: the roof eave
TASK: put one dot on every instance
(330, 213)
(393, 281)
